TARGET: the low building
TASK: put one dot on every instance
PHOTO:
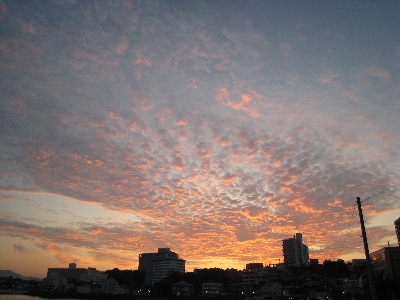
(211, 289)
(78, 274)
(109, 285)
(182, 289)
(64, 279)
(71, 273)
(93, 275)
(121, 290)
(351, 287)
(271, 290)
(83, 288)
(386, 261)
(54, 283)
(359, 263)
(254, 266)
(253, 277)
(241, 289)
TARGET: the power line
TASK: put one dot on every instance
(374, 195)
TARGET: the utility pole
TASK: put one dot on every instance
(368, 258)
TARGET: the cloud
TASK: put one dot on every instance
(219, 140)
(19, 248)
(3, 10)
(329, 78)
(245, 100)
(194, 186)
(380, 74)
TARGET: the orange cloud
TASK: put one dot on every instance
(96, 231)
(225, 97)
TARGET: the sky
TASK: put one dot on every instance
(215, 128)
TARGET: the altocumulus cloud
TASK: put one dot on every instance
(218, 139)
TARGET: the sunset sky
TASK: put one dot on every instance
(215, 128)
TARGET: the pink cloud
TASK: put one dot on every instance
(3, 10)
(122, 46)
(240, 173)
(329, 78)
(142, 61)
(28, 27)
(380, 74)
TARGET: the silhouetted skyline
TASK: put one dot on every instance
(215, 128)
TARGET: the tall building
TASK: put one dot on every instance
(397, 227)
(160, 265)
(295, 253)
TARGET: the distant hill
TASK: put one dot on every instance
(8, 273)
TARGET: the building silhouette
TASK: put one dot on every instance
(254, 266)
(60, 278)
(397, 228)
(160, 265)
(386, 261)
(77, 274)
(295, 253)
